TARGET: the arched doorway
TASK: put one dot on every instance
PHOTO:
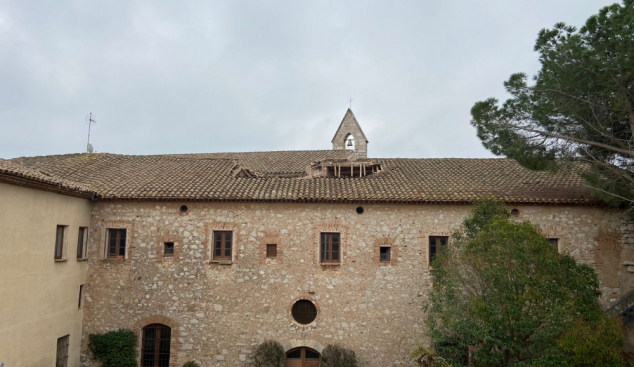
(302, 357)
(155, 350)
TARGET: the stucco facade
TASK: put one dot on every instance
(40, 296)
(220, 312)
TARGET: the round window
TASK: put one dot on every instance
(304, 311)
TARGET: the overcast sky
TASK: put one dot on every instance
(222, 76)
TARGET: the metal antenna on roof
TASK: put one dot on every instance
(89, 148)
(351, 102)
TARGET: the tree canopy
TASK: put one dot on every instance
(502, 291)
(579, 108)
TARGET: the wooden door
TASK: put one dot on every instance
(302, 357)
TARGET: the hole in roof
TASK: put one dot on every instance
(349, 169)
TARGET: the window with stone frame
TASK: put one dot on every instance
(116, 243)
(330, 248)
(435, 244)
(222, 245)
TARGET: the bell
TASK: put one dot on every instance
(349, 142)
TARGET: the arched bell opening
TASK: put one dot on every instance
(349, 143)
(155, 349)
(302, 357)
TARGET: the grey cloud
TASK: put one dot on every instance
(200, 76)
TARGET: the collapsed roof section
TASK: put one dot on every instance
(341, 168)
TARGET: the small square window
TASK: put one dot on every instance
(554, 242)
(385, 254)
(271, 251)
(168, 249)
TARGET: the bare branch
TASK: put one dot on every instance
(570, 138)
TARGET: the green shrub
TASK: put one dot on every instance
(338, 356)
(425, 357)
(191, 364)
(269, 354)
(596, 343)
(114, 348)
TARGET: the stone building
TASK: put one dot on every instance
(211, 254)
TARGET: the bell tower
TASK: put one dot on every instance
(350, 136)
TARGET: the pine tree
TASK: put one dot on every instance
(580, 107)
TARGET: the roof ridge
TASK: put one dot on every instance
(69, 155)
(447, 158)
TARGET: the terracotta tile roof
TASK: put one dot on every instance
(213, 177)
(28, 176)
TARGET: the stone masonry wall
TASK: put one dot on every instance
(219, 313)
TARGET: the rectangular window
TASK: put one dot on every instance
(385, 254)
(168, 249)
(82, 242)
(222, 245)
(62, 351)
(330, 248)
(116, 243)
(271, 251)
(59, 242)
(435, 242)
(554, 242)
(81, 296)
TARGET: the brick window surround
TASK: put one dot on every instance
(214, 226)
(160, 248)
(163, 320)
(334, 226)
(385, 241)
(268, 239)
